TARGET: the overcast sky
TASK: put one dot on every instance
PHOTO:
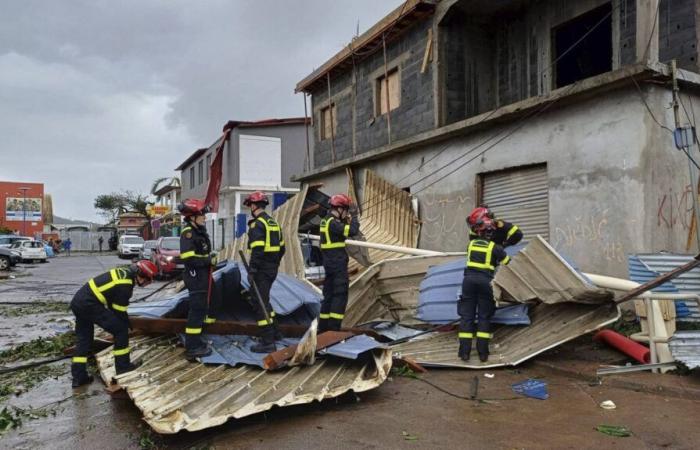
(98, 96)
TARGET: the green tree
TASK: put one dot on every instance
(111, 205)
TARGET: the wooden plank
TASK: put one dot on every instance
(428, 51)
(278, 359)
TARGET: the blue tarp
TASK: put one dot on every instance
(531, 388)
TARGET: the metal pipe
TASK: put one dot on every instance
(386, 247)
(620, 284)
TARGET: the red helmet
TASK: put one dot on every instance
(146, 269)
(477, 216)
(256, 197)
(193, 207)
(340, 200)
(485, 228)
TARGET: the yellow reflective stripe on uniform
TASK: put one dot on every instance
(269, 228)
(185, 230)
(273, 314)
(96, 291)
(482, 335)
(264, 322)
(257, 244)
(512, 231)
(337, 316)
(192, 254)
(80, 359)
(328, 244)
(118, 307)
(193, 331)
(121, 351)
(346, 230)
(506, 260)
(324, 316)
(463, 335)
(488, 251)
(210, 319)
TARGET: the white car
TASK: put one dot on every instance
(29, 250)
(129, 246)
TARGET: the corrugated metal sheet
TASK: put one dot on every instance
(287, 216)
(538, 272)
(352, 348)
(521, 196)
(641, 273)
(687, 282)
(387, 218)
(175, 395)
(685, 347)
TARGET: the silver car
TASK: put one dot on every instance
(147, 249)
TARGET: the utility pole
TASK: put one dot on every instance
(24, 209)
(693, 183)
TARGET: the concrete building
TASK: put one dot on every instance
(258, 156)
(21, 207)
(556, 114)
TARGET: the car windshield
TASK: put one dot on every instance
(133, 240)
(150, 244)
(171, 244)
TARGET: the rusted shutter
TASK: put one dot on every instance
(520, 196)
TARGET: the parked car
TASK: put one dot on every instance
(29, 250)
(166, 256)
(7, 259)
(147, 249)
(129, 246)
(6, 240)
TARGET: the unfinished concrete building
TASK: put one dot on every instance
(556, 114)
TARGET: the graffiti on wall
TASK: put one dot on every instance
(589, 233)
(442, 222)
(675, 208)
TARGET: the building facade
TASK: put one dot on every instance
(22, 207)
(555, 114)
(258, 156)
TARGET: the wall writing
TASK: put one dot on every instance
(588, 234)
(675, 208)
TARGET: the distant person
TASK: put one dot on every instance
(67, 244)
(100, 240)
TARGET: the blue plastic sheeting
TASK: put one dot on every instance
(640, 273)
(353, 347)
(234, 350)
(531, 388)
(294, 301)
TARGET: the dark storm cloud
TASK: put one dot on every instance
(97, 96)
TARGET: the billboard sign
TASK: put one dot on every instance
(29, 211)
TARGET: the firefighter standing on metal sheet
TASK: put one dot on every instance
(196, 255)
(505, 233)
(483, 256)
(335, 228)
(266, 244)
(103, 301)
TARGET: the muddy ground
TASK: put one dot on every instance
(660, 411)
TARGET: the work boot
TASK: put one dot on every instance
(322, 325)
(278, 334)
(465, 349)
(121, 369)
(483, 357)
(82, 380)
(267, 341)
(200, 352)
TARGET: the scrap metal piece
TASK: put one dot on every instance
(685, 347)
(174, 394)
(305, 353)
(636, 368)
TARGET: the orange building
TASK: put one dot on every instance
(21, 207)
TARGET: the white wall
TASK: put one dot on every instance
(260, 161)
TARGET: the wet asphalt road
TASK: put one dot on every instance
(402, 413)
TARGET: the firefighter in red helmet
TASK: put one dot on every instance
(103, 301)
(198, 258)
(505, 233)
(266, 244)
(338, 225)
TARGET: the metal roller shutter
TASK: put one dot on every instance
(520, 196)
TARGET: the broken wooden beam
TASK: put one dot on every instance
(278, 359)
(166, 326)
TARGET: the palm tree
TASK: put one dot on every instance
(157, 184)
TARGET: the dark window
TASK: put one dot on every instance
(191, 177)
(200, 168)
(592, 56)
(208, 166)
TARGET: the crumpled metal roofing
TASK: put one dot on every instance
(685, 347)
(353, 347)
(174, 394)
(235, 350)
(688, 282)
(641, 273)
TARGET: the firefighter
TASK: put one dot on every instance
(335, 228)
(266, 244)
(103, 301)
(483, 256)
(198, 258)
(505, 233)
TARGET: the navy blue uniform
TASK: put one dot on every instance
(483, 256)
(334, 232)
(195, 253)
(505, 234)
(102, 301)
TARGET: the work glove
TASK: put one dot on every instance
(214, 258)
